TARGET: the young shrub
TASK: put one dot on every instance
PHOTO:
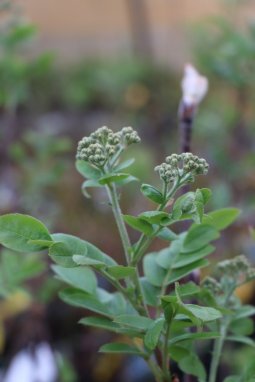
(161, 307)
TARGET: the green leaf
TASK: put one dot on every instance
(242, 326)
(102, 302)
(88, 184)
(206, 194)
(245, 311)
(60, 253)
(188, 289)
(191, 205)
(179, 273)
(152, 193)
(112, 178)
(198, 236)
(167, 256)
(192, 365)
(120, 348)
(203, 313)
(127, 163)
(120, 272)
(42, 243)
(101, 323)
(241, 339)
(153, 333)
(192, 337)
(127, 180)
(67, 246)
(80, 278)
(133, 321)
(152, 271)
(199, 204)
(196, 313)
(106, 324)
(221, 219)
(189, 258)
(150, 292)
(153, 217)
(178, 352)
(117, 304)
(166, 234)
(184, 205)
(181, 323)
(170, 307)
(76, 297)
(17, 230)
(87, 261)
(139, 224)
(87, 170)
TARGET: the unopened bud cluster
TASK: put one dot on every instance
(238, 269)
(212, 285)
(194, 164)
(179, 165)
(103, 144)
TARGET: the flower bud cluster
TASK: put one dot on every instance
(238, 269)
(129, 136)
(194, 164)
(212, 285)
(179, 165)
(103, 144)
(167, 172)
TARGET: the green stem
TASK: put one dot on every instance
(144, 242)
(219, 342)
(165, 355)
(156, 371)
(120, 288)
(217, 349)
(163, 290)
(113, 197)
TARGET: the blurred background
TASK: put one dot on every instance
(67, 68)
